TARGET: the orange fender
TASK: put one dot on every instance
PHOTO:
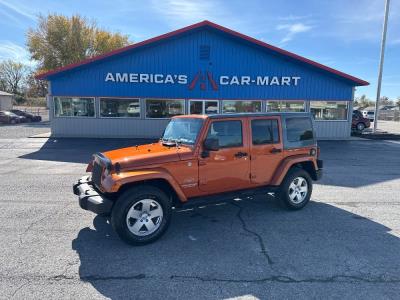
(113, 183)
(287, 163)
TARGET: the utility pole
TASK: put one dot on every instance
(378, 90)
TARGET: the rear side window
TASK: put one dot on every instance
(228, 133)
(299, 129)
(264, 132)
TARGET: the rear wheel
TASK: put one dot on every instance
(141, 215)
(295, 190)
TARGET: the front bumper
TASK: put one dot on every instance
(90, 198)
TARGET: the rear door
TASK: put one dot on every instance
(228, 168)
(266, 148)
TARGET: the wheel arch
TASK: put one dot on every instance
(304, 162)
(308, 166)
(160, 183)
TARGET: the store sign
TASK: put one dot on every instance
(202, 78)
(146, 78)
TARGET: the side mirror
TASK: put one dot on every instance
(211, 144)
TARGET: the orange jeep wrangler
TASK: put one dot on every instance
(199, 159)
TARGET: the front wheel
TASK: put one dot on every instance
(295, 190)
(141, 215)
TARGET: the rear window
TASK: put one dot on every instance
(299, 129)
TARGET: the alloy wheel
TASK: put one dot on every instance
(298, 190)
(144, 217)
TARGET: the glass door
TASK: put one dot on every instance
(205, 107)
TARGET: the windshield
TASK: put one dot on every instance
(183, 130)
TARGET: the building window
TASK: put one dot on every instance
(329, 110)
(286, 106)
(157, 108)
(234, 106)
(205, 107)
(119, 108)
(264, 131)
(73, 107)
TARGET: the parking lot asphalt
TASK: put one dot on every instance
(345, 244)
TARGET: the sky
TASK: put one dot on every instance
(342, 34)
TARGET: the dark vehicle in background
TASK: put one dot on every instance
(358, 122)
(10, 118)
(29, 117)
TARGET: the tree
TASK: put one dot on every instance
(363, 101)
(59, 40)
(12, 76)
(385, 101)
(34, 87)
(3, 84)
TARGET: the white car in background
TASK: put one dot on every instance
(133, 108)
(369, 114)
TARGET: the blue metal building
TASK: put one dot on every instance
(202, 68)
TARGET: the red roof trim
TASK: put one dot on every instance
(198, 25)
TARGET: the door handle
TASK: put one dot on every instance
(240, 154)
(275, 150)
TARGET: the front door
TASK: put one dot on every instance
(228, 168)
(266, 148)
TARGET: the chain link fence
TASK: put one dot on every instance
(389, 115)
(37, 111)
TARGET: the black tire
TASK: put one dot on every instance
(127, 201)
(285, 190)
(360, 127)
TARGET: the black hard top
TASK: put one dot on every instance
(265, 114)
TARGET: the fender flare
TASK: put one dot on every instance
(113, 183)
(287, 163)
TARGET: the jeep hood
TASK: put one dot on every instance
(150, 154)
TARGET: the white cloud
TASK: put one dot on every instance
(19, 10)
(291, 18)
(181, 9)
(10, 50)
(361, 21)
(182, 12)
(292, 30)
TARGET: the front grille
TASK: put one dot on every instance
(96, 174)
